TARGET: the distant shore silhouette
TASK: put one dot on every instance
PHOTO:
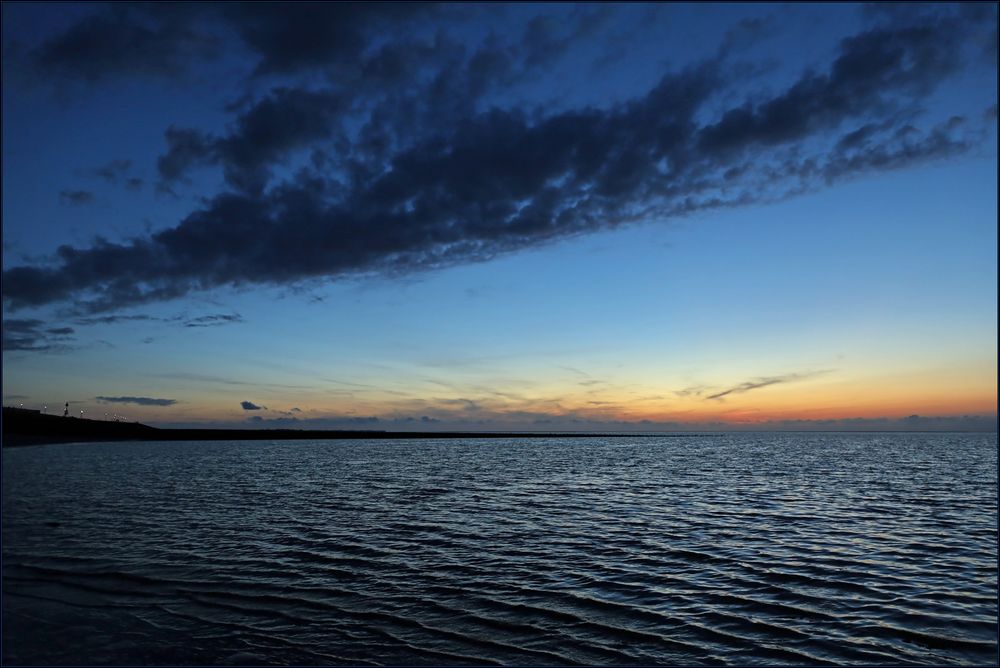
(29, 427)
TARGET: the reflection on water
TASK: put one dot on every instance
(742, 549)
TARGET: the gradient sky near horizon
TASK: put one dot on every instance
(486, 216)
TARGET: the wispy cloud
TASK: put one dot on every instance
(211, 320)
(220, 380)
(758, 383)
(118, 171)
(76, 197)
(466, 405)
(32, 335)
(204, 378)
(112, 319)
(214, 320)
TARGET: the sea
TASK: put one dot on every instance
(734, 549)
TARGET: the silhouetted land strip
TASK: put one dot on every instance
(26, 427)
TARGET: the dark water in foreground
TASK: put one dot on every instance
(740, 549)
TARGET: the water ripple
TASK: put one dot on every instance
(766, 549)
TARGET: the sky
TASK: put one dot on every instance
(418, 216)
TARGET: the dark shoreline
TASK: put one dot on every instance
(23, 427)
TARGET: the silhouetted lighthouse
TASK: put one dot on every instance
(66, 410)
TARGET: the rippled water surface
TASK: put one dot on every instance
(736, 549)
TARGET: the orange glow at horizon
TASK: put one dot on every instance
(820, 398)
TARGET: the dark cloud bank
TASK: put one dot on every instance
(378, 177)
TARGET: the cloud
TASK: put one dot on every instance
(466, 405)
(692, 391)
(294, 36)
(541, 422)
(166, 39)
(114, 170)
(285, 120)
(76, 197)
(139, 401)
(250, 406)
(980, 423)
(747, 32)
(350, 422)
(31, 335)
(334, 422)
(203, 378)
(185, 149)
(346, 422)
(211, 320)
(907, 60)
(112, 319)
(906, 146)
(765, 382)
(427, 180)
(746, 387)
(546, 37)
(214, 320)
(123, 40)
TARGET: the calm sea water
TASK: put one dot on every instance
(737, 549)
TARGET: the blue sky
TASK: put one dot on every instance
(502, 217)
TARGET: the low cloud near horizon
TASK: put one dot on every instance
(551, 423)
(138, 401)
